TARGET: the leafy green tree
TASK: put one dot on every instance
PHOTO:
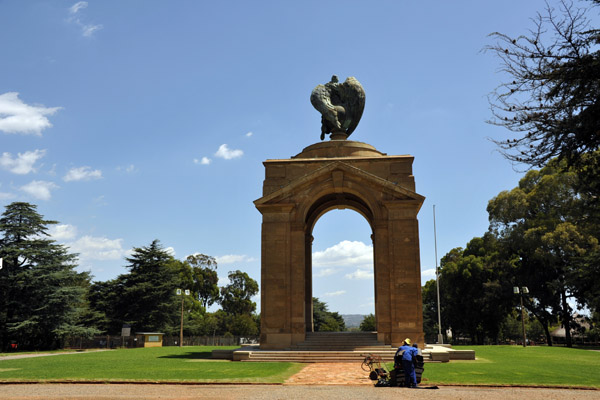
(430, 317)
(368, 324)
(236, 297)
(475, 297)
(543, 223)
(204, 278)
(325, 320)
(41, 294)
(551, 99)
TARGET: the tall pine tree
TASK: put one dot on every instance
(148, 301)
(40, 292)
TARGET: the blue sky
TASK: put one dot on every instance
(129, 121)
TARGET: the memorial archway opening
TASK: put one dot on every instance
(342, 265)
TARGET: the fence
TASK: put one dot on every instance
(112, 342)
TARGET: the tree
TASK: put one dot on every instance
(236, 297)
(236, 324)
(475, 298)
(325, 320)
(204, 278)
(368, 324)
(104, 303)
(41, 294)
(147, 297)
(543, 223)
(551, 99)
(430, 315)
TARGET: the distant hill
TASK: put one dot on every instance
(353, 320)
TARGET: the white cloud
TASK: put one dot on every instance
(203, 161)
(249, 134)
(18, 117)
(98, 248)
(228, 154)
(326, 272)
(41, 190)
(62, 232)
(78, 6)
(129, 169)
(6, 196)
(82, 174)
(333, 294)
(87, 29)
(233, 258)
(360, 274)
(171, 251)
(368, 305)
(100, 201)
(428, 272)
(345, 254)
(23, 163)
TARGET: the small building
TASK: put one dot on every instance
(149, 339)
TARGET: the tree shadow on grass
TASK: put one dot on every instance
(194, 355)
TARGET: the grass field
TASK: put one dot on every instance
(516, 365)
(495, 365)
(172, 364)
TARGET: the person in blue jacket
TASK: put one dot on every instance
(410, 378)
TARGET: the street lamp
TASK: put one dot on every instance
(180, 292)
(524, 290)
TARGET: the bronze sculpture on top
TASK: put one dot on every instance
(341, 106)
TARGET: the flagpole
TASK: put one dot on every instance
(437, 283)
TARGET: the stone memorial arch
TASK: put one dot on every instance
(339, 174)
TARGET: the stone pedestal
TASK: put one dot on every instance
(339, 174)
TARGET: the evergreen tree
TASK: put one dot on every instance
(368, 324)
(147, 299)
(325, 320)
(41, 294)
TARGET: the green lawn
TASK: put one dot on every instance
(175, 364)
(495, 365)
(516, 365)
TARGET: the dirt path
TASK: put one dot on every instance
(31, 355)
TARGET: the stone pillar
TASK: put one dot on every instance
(276, 288)
(405, 283)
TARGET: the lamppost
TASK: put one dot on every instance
(180, 293)
(524, 290)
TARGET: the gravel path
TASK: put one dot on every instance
(287, 392)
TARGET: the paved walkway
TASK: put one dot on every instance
(331, 374)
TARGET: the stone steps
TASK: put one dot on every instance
(327, 347)
(340, 341)
(323, 347)
(310, 356)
